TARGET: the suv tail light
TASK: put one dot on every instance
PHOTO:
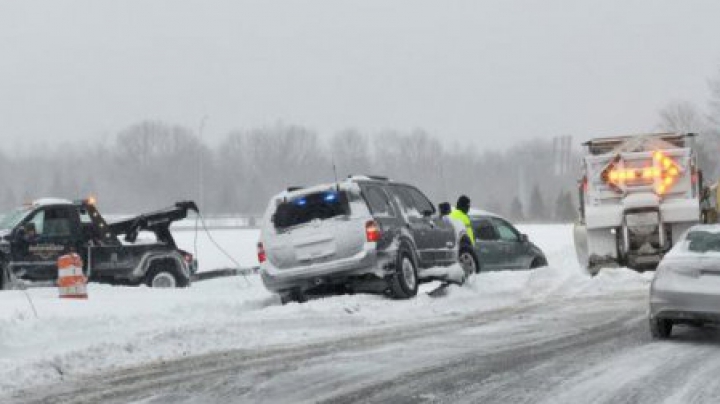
(262, 257)
(372, 231)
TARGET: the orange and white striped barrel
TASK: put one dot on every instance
(72, 283)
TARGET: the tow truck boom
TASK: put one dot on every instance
(158, 222)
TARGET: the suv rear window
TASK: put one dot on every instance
(306, 208)
(378, 202)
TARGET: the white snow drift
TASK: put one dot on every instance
(124, 326)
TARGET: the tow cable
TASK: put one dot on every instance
(199, 219)
(11, 282)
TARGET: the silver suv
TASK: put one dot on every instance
(365, 234)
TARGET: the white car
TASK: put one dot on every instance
(686, 286)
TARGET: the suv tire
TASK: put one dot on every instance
(660, 329)
(404, 282)
(293, 296)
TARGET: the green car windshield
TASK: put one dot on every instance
(11, 219)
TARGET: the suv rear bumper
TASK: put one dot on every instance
(366, 262)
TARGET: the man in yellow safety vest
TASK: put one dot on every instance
(461, 213)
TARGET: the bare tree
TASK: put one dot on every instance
(714, 103)
(350, 152)
(151, 164)
(685, 117)
(681, 117)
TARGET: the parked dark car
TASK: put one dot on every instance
(363, 234)
(500, 246)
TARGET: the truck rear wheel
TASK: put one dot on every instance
(165, 274)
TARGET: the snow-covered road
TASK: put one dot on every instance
(551, 335)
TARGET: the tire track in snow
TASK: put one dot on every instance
(653, 372)
(182, 379)
(505, 375)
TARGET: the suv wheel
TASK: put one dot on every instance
(404, 282)
(293, 296)
(660, 329)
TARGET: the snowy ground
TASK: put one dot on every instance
(120, 327)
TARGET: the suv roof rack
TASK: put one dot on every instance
(293, 189)
(369, 177)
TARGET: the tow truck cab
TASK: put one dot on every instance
(34, 236)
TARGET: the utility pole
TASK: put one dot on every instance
(201, 174)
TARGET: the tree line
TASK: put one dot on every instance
(151, 164)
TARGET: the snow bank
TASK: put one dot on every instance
(125, 326)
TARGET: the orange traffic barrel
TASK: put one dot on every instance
(72, 283)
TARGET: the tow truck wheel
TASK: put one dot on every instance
(163, 279)
(165, 275)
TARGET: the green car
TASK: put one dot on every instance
(500, 246)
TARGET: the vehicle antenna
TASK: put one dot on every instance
(337, 183)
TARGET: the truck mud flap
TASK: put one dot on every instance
(581, 245)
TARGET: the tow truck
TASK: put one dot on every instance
(34, 236)
(638, 194)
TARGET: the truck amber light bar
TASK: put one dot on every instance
(663, 172)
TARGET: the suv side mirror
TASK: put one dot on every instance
(444, 208)
(524, 238)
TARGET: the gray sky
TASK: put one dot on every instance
(491, 71)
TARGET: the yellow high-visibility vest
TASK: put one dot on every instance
(465, 219)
